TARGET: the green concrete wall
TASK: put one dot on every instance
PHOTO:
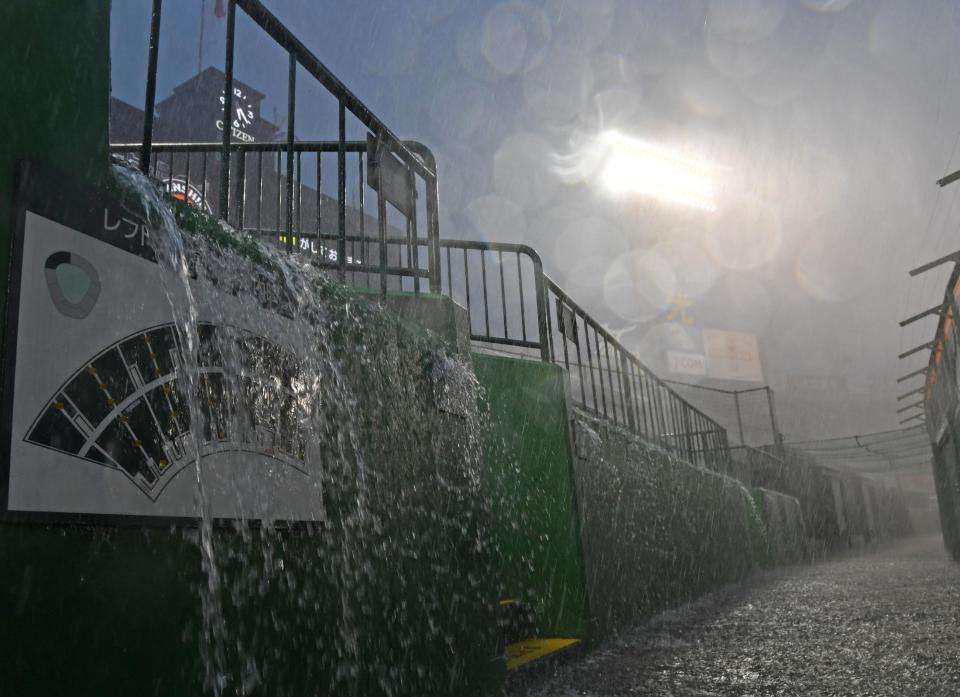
(529, 475)
(56, 75)
(656, 531)
(785, 536)
(839, 510)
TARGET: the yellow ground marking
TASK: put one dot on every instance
(508, 601)
(523, 652)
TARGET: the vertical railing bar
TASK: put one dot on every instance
(613, 393)
(241, 187)
(636, 390)
(381, 226)
(227, 110)
(156, 163)
(603, 394)
(523, 316)
(483, 277)
(665, 408)
(412, 232)
(364, 245)
(170, 171)
(203, 175)
(659, 424)
(186, 176)
(645, 403)
(661, 417)
(586, 340)
(433, 229)
(583, 389)
(150, 98)
(547, 349)
(342, 192)
(291, 114)
(681, 413)
(626, 390)
(564, 341)
(672, 413)
(259, 192)
(542, 308)
(449, 276)
(322, 246)
(278, 229)
(503, 294)
(678, 427)
(466, 275)
(299, 198)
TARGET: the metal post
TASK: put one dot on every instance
(382, 221)
(540, 288)
(239, 188)
(736, 404)
(227, 110)
(342, 193)
(291, 111)
(627, 389)
(151, 97)
(773, 418)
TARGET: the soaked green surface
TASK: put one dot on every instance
(530, 469)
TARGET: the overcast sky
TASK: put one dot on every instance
(824, 123)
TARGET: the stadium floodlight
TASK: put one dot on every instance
(633, 166)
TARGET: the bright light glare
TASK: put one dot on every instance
(634, 167)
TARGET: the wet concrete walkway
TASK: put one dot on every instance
(883, 623)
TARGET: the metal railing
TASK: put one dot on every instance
(260, 193)
(513, 305)
(395, 170)
(754, 410)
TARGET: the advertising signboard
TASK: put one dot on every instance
(98, 414)
(686, 363)
(732, 355)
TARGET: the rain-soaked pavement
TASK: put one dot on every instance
(883, 623)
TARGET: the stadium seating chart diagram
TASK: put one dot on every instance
(103, 416)
(127, 408)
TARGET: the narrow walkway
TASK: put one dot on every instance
(884, 623)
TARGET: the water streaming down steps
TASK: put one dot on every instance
(384, 584)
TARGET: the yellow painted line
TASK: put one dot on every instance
(523, 652)
(508, 601)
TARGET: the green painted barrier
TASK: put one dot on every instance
(530, 478)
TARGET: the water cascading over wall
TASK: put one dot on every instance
(238, 376)
(317, 536)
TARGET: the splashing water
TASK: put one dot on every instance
(333, 574)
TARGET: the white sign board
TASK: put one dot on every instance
(95, 396)
(732, 356)
(686, 363)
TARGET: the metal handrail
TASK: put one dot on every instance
(236, 214)
(621, 388)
